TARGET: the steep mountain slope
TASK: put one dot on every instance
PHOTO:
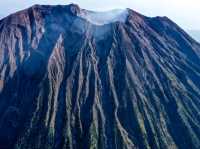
(66, 82)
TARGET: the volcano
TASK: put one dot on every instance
(77, 79)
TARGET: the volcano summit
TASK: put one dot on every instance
(77, 79)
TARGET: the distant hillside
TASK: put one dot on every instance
(195, 34)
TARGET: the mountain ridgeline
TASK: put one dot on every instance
(124, 82)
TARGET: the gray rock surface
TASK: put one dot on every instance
(68, 83)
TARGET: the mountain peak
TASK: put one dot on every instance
(73, 78)
(74, 9)
(94, 17)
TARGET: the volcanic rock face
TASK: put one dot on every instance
(66, 82)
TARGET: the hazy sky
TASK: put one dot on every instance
(186, 13)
